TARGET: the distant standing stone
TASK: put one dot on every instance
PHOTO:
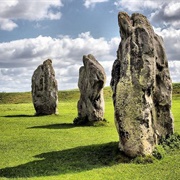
(92, 79)
(142, 87)
(45, 89)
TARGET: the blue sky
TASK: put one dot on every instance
(32, 31)
(100, 19)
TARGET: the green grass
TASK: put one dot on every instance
(51, 147)
(176, 88)
(176, 111)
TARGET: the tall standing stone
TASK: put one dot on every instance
(45, 89)
(142, 87)
(91, 82)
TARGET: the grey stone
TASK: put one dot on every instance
(142, 87)
(45, 89)
(91, 82)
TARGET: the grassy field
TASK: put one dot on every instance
(51, 147)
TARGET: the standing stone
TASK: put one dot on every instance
(91, 82)
(142, 87)
(45, 89)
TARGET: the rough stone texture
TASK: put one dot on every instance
(45, 89)
(141, 87)
(91, 82)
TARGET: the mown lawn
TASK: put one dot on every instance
(51, 147)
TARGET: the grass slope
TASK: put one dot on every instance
(51, 147)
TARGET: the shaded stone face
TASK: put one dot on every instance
(141, 87)
(45, 89)
(91, 82)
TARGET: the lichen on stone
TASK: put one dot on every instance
(91, 82)
(45, 89)
(142, 87)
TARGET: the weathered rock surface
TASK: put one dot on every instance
(45, 89)
(141, 87)
(91, 82)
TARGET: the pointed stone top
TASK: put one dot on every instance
(90, 61)
(128, 23)
(48, 61)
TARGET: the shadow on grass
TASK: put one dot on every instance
(73, 160)
(55, 126)
(19, 115)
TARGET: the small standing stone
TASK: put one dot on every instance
(142, 87)
(91, 82)
(45, 89)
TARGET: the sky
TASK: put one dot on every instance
(32, 31)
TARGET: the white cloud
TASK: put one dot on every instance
(140, 5)
(7, 24)
(171, 38)
(20, 58)
(28, 10)
(175, 70)
(172, 9)
(167, 14)
(92, 3)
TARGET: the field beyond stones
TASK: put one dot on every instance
(51, 147)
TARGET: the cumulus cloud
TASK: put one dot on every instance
(134, 6)
(92, 3)
(28, 10)
(175, 70)
(167, 14)
(7, 24)
(20, 58)
(171, 38)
